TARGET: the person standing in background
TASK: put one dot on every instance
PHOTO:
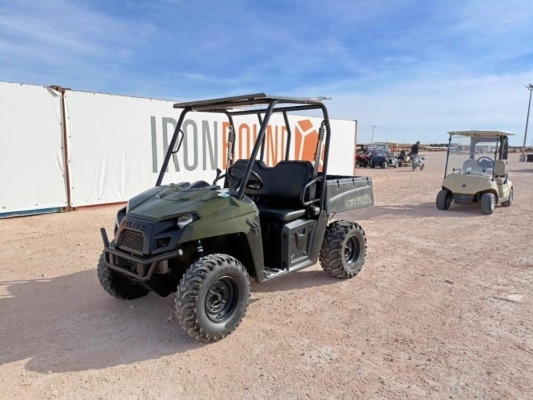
(414, 154)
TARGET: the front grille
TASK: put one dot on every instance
(133, 241)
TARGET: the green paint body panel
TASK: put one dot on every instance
(218, 212)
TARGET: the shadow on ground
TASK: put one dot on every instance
(69, 323)
(423, 210)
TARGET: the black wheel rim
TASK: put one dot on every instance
(221, 299)
(351, 251)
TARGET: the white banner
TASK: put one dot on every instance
(110, 146)
(31, 154)
(117, 144)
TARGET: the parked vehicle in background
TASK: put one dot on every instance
(381, 156)
(476, 172)
(362, 156)
(418, 161)
(403, 159)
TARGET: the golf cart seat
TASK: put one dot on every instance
(280, 196)
(471, 166)
(500, 172)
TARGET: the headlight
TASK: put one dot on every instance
(120, 215)
(185, 220)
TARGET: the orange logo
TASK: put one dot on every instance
(305, 142)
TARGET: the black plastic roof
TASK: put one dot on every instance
(248, 100)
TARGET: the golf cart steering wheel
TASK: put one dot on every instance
(485, 162)
(255, 182)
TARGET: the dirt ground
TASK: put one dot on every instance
(441, 310)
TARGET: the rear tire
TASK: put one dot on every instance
(488, 203)
(118, 285)
(212, 297)
(444, 199)
(510, 201)
(343, 250)
(384, 164)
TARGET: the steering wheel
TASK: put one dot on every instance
(256, 183)
(485, 162)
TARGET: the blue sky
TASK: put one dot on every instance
(413, 68)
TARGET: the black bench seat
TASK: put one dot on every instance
(279, 198)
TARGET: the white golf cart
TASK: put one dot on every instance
(476, 171)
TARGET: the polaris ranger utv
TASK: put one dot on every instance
(204, 241)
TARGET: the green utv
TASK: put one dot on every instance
(204, 241)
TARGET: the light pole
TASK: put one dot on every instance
(523, 155)
(373, 126)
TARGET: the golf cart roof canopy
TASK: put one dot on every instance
(485, 134)
(251, 103)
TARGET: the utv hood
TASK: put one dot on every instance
(165, 202)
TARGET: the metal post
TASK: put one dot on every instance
(373, 126)
(65, 143)
(523, 155)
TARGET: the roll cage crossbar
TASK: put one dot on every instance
(263, 106)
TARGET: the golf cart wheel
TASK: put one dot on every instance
(343, 250)
(212, 297)
(510, 201)
(488, 203)
(384, 164)
(118, 285)
(444, 199)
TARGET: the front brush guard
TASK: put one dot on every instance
(144, 262)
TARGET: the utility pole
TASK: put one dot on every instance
(373, 126)
(523, 155)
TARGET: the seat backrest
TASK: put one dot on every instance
(500, 168)
(285, 180)
(471, 165)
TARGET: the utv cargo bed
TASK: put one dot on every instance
(346, 193)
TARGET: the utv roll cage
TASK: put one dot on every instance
(264, 106)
